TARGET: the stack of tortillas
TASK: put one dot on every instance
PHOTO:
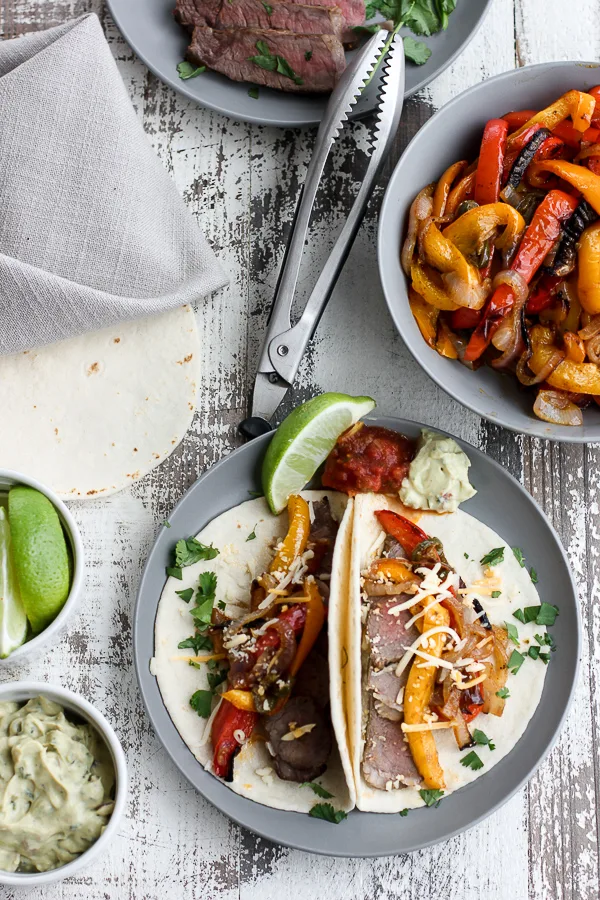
(99, 260)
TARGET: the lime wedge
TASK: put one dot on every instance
(13, 621)
(40, 555)
(304, 440)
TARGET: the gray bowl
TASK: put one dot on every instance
(455, 133)
(502, 504)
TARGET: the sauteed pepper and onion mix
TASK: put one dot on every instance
(503, 255)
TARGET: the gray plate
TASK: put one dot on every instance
(454, 133)
(150, 30)
(503, 505)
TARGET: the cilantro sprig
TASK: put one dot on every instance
(273, 63)
(326, 812)
(472, 761)
(493, 558)
(482, 739)
(422, 17)
(431, 797)
(187, 552)
(186, 70)
(317, 789)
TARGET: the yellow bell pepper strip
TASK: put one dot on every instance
(491, 161)
(426, 316)
(315, 619)
(391, 569)
(240, 699)
(444, 185)
(462, 285)
(444, 344)
(577, 105)
(582, 179)
(429, 285)
(574, 347)
(294, 543)
(588, 263)
(417, 697)
(471, 230)
(538, 240)
(577, 378)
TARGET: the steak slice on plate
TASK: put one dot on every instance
(317, 60)
(281, 15)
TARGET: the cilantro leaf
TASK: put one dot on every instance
(267, 60)
(216, 678)
(533, 652)
(482, 739)
(201, 702)
(174, 572)
(317, 789)
(186, 594)
(416, 51)
(466, 555)
(493, 558)
(187, 70)
(253, 92)
(203, 611)
(503, 693)
(284, 68)
(547, 614)
(516, 661)
(472, 761)
(444, 8)
(268, 9)
(546, 639)
(422, 19)
(196, 642)
(533, 575)
(166, 523)
(519, 556)
(403, 812)
(496, 594)
(520, 615)
(252, 535)
(308, 55)
(190, 551)
(207, 584)
(328, 813)
(431, 797)
(513, 634)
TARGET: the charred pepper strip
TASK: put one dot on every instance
(227, 722)
(537, 242)
(524, 158)
(577, 105)
(564, 261)
(491, 161)
(543, 296)
(444, 185)
(403, 530)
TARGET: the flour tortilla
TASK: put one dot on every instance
(460, 533)
(238, 562)
(92, 414)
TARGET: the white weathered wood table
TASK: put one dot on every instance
(241, 182)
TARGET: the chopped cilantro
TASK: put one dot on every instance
(201, 703)
(520, 615)
(545, 657)
(328, 813)
(513, 634)
(516, 661)
(533, 575)
(496, 594)
(317, 789)
(252, 535)
(533, 652)
(253, 92)
(466, 555)
(186, 594)
(547, 614)
(493, 558)
(190, 551)
(174, 572)
(205, 598)
(268, 9)
(166, 523)
(203, 612)
(519, 555)
(187, 70)
(273, 63)
(196, 642)
(431, 797)
(308, 55)
(546, 639)
(482, 739)
(503, 693)
(403, 812)
(216, 678)
(472, 761)
(221, 604)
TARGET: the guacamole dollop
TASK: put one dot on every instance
(56, 779)
(438, 478)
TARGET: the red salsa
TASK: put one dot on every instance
(368, 459)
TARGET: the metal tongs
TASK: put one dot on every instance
(285, 344)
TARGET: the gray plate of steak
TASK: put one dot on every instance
(280, 15)
(313, 62)
(387, 756)
(387, 636)
(151, 30)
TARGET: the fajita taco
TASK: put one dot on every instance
(242, 656)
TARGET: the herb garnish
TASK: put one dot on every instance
(466, 555)
(186, 594)
(493, 558)
(328, 813)
(545, 614)
(187, 70)
(196, 642)
(268, 9)
(472, 761)
(533, 575)
(318, 789)
(205, 598)
(174, 572)
(253, 92)
(201, 702)
(503, 693)
(431, 797)
(166, 523)
(496, 594)
(252, 535)
(422, 17)
(273, 63)
(513, 634)
(482, 739)
(533, 652)
(216, 678)
(308, 55)
(190, 551)
(516, 661)
(403, 812)
(519, 556)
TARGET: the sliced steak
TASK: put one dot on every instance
(387, 760)
(303, 758)
(282, 15)
(353, 11)
(386, 633)
(386, 685)
(317, 60)
(313, 679)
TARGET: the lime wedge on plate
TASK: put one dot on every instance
(13, 621)
(304, 440)
(40, 555)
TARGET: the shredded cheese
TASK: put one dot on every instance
(463, 685)
(426, 726)
(296, 733)
(439, 629)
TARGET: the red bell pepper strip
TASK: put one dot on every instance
(464, 318)
(491, 162)
(227, 721)
(550, 149)
(403, 530)
(518, 118)
(543, 296)
(569, 135)
(593, 164)
(538, 240)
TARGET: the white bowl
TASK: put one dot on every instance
(31, 648)
(20, 692)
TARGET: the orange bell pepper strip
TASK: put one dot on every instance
(294, 543)
(462, 191)
(577, 378)
(315, 619)
(444, 185)
(391, 569)
(538, 240)
(426, 316)
(491, 161)
(240, 699)
(574, 347)
(582, 179)
(444, 343)
(588, 265)
(471, 230)
(576, 105)
(447, 260)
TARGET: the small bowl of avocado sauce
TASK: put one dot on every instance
(63, 783)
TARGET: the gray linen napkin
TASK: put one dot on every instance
(92, 229)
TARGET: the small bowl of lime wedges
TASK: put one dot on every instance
(41, 566)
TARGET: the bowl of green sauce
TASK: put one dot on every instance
(63, 783)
